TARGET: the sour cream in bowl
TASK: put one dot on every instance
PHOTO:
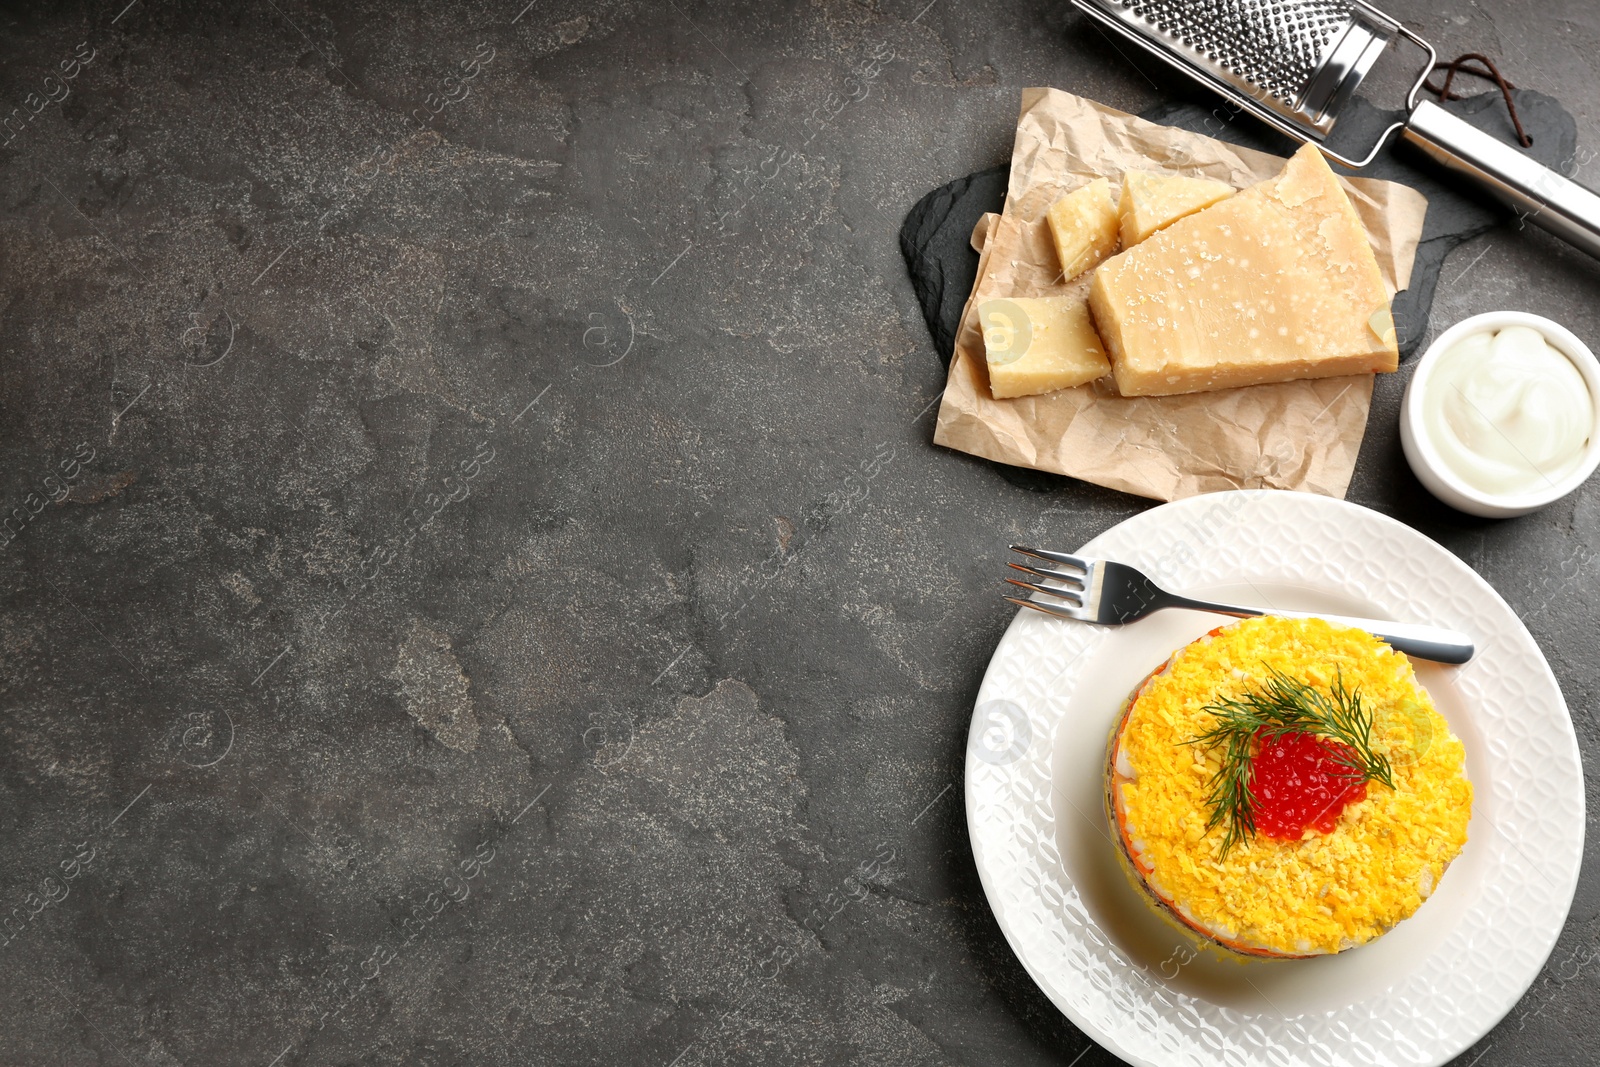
(1502, 415)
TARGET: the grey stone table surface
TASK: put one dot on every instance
(485, 590)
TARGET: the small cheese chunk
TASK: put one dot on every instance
(1152, 202)
(1040, 344)
(1084, 225)
(1276, 283)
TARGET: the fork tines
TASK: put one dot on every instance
(1053, 557)
(1073, 583)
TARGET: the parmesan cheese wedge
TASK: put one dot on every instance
(1152, 202)
(1039, 344)
(1084, 224)
(1276, 283)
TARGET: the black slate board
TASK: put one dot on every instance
(936, 236)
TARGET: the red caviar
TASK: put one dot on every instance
(1299, 781)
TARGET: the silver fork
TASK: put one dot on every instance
(1109, 593)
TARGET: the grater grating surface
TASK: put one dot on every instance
(1294, 64)
(1275, 45)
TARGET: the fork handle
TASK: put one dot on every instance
(1424, 642)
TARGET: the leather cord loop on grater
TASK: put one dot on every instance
(1491, 73)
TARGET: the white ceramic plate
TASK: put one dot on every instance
(1419, 995)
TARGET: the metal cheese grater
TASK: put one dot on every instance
(1294, 64)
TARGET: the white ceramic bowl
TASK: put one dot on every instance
(1424, 457)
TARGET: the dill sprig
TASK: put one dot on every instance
(1282, 706)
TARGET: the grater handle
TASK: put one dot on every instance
(1538, 194)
